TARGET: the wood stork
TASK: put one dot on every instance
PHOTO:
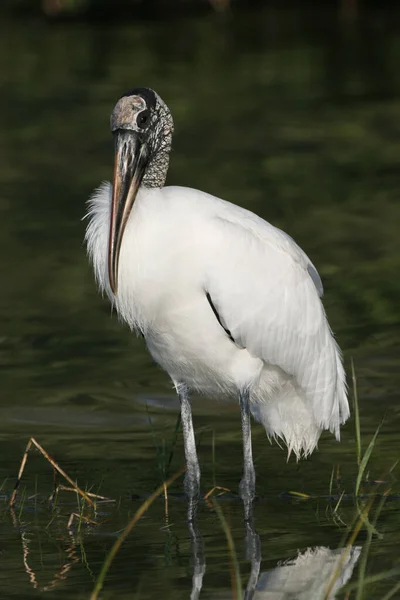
(315, 574)
(227, 303)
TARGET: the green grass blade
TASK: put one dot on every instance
(373, 579)
(338, 502)
(361, 471)
(356, 414)
(236, 580)
(118, 543)
(365, 552)
(365, 459)
(331, 481)
(392, 592)
(358, 522)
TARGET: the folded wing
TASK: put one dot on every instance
(266, 292)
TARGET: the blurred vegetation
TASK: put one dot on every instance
(98, 9)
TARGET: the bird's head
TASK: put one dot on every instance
(142, 127)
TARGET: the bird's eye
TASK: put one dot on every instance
(142, 119)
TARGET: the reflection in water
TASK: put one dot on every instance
(253, 554)
(315, 574)
(198, 561)
(70, 551)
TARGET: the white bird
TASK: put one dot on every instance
(315, 574)
(227, 303)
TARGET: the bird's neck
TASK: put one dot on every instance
(156, 172)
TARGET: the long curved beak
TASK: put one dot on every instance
(130, 166)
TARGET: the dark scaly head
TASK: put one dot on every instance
(142, 126)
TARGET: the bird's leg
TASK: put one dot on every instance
(253, 554)
(192, 476)
(198, 561)
(248, 483)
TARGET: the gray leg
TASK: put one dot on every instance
(192, 476)
(248, 483)
(253, 554)
(198, 561)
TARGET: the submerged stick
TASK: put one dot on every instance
(80, 518)
(65, 488)
(55, 466)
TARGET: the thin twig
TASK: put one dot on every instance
(222, 491)
(53, 464)
(166, 503)
(65, 488)
(80, 517)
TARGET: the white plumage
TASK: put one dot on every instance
(180, 244)
(228, 304)
(316, 574)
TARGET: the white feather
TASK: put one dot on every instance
(316, 574)
(181, 244)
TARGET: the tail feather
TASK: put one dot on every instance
(287, 414)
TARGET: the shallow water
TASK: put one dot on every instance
(294, 116)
